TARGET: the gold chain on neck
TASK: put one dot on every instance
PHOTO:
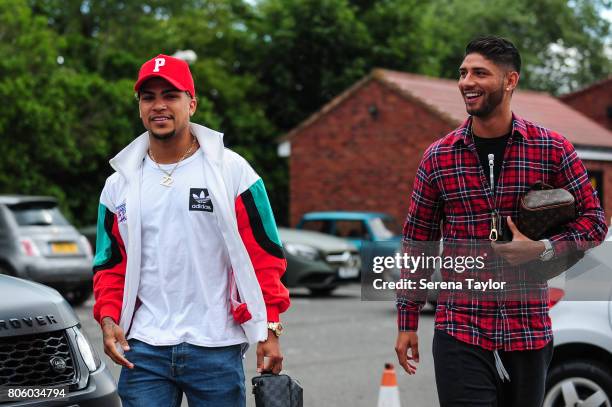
(167, 180)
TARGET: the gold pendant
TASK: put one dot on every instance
(166, 180)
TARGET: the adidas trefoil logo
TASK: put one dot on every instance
(199, 200)
(203, 198)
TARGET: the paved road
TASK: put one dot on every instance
(336, 347)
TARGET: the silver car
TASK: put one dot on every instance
(38, 243)
(318, 261)
(581, 370)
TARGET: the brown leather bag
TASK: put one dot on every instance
(544, 209)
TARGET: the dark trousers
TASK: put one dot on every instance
(466, 375)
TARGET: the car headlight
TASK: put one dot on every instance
(302, 250)
(89, 354)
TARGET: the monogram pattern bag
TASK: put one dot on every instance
(544, 209)
(277, 391)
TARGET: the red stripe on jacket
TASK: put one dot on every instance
(109, 284)
(268, 269)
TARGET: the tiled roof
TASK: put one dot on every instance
(602, 83)
(442, 97)
(539, 107)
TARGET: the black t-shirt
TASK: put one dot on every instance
(495, 146)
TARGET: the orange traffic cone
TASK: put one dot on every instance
(388, 395)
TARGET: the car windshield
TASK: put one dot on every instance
(384, 228)
(316, 225)
(38, 216)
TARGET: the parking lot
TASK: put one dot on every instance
(336, 347)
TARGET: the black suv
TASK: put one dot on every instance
(45, 358)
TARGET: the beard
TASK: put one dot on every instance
(489, 103)
(163, 137)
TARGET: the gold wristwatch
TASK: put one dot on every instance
(276, 327)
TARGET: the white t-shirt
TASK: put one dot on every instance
(184, 274)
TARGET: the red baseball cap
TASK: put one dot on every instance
(174, 70)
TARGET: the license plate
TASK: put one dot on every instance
(348, 272)
(64, 248)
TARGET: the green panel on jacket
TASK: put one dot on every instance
(103, 241)
(258, 190)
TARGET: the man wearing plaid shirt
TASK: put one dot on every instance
(493, 351)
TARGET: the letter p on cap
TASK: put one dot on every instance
(159, 62)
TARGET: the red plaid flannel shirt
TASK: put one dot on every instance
(450, 188)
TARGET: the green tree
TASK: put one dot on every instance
(562, 43)
(226, 48)
(59, 124)
(308, 52)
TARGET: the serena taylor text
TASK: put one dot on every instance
(468, 283)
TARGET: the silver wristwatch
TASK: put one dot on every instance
(548, 252)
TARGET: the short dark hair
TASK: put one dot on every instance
(496, 49)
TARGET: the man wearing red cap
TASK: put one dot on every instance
(188, 258)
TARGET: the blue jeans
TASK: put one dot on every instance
(209, 377)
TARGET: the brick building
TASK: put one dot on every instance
(362, 149)
(594, 101)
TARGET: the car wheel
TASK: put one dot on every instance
(321, 292)
(578, 383)
(78, 295)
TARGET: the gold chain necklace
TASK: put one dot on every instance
(167, 177)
